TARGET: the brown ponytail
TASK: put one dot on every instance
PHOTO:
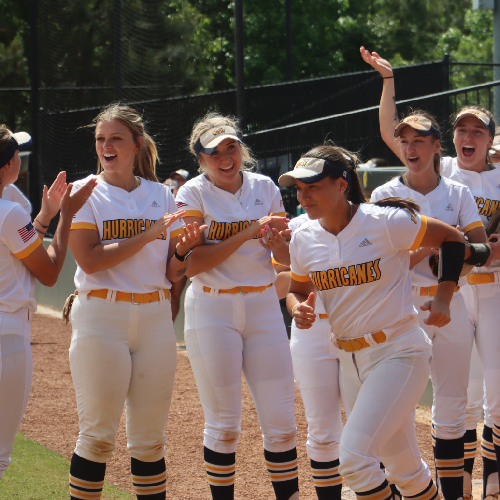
(147, 155)
(396, 202)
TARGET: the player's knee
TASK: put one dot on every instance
(147, 453)
(222, 441)
(352, 461)
(279, 442)
(93, 449)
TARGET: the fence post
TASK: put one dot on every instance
(446, 100)
(240, 69)
(33, 177)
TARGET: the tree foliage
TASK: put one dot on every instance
(195, 52)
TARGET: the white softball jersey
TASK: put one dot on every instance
(117, 215)
(13, 193)
(362, 274)
(294, 224)
(485, 188)
(451, 202)
(227, 214)
(18, 239)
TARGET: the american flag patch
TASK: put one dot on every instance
(27, 232)
(180, 204)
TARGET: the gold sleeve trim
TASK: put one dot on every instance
(176, 233)
(302, 279)
(193, 213)
(421, 233)
(29, 249)
(474, 225)
(83, 225)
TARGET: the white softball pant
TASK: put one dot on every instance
(316, 368)
(122, 353)
(475, 391)
(16, 370)
(451, 353)
(229, 333)
(383, 383)
(483, 304)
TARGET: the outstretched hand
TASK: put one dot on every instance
(439, 312)
(72, 202)
(163, 223)
(303, 313)
(271, 238)
(51, 197)
(376, 62)
(189, 237)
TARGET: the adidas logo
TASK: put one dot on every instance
(258, 202)
(365, 243)
(154, 204)
(449, 208)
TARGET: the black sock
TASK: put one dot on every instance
(149, 479)
(283, 470)
(449, 458)
(221, 471)
(85, 477)
(470, 446)
(489, 453)
(383, 491)
(327, 480)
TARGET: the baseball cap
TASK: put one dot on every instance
(421, 124)
(19, 141)
(309, 170)
(183, 173)
(213, 137)
(482, 117)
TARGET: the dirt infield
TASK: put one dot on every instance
(51, 419)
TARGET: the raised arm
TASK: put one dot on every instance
(388, 113)
(45, 265)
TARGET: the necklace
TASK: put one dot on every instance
(406, 182)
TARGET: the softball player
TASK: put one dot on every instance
(419, 145)
(123, 348)
(317, 374)
(233, 319)
(22, 259)
(355, 255)
(474, 130)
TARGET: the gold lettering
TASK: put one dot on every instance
(331, 279)
(361, 272)
(376, 267)
(344, 276)
(106, 230)
(130, 227)
(324, 280)
(115, 228)
(212, 230)
(353, 280)
(369, 275)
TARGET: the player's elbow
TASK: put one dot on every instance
(48, 280)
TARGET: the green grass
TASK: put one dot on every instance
(40, 474)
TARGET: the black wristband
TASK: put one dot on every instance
(479, 254)
(451, 261)
(36, 220)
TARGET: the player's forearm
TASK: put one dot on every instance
(388, 114)
(102, 257)
(418, 256)
(281, 254)
(176, 269)
(292, 299)
(59, 246)
(206, 257)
